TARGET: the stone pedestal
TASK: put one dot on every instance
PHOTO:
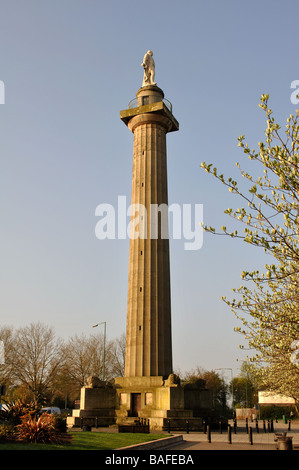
(152, 398)
(161, 402)
(97, 405)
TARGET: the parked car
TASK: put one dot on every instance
(51, 410)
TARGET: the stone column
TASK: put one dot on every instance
(148, 337)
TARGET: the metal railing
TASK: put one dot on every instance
(167, 104)
(134, 103)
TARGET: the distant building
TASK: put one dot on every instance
(268, 398)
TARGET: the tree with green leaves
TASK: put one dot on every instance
(244, 387)
(213, 382)
(268, 310)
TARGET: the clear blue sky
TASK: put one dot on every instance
(69, 67)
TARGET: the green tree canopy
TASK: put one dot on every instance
(269, 310)
(212, 381)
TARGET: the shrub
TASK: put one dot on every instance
(42, 429)
(14, 411)
(274, 411)
(60, 423)
(7, 432)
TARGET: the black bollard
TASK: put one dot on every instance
(257, 426)
(289, 427)
(209, 433)
(168, 425)
(220, 426)
(250, 435)
(235, 426)
(264, 425)
(229, 434)
(187, 427)
(204, 426)
(247, 425)
(272, 426)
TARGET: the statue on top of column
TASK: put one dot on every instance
(148, 65)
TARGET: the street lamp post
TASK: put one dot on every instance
(94, 326)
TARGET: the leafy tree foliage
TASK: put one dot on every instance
(212, 381)
(245, 388)
(269, 310)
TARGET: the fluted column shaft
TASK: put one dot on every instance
(148, 337)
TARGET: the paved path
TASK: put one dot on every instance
(239, 441)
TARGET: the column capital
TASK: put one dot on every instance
(156, 109)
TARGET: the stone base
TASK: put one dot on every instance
(146, 397)
(161, 402)
(97, 405)
(95, 418)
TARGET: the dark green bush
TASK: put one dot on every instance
(60, 423)
(276, 412)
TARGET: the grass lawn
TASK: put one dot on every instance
(89, 441)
